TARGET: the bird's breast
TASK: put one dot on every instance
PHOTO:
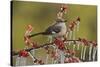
(63, 29)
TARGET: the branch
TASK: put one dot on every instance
(43, 45)
(49, 44)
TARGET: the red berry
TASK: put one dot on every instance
(69, 60)
(75, 59)
(23, 53)
(54, 55)
(94, 43)
(85, 42)
(59, 43)
(66, 60)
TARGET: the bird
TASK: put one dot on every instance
(58, 28)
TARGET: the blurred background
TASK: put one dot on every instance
(41, 15)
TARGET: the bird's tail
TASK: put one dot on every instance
(40, 33)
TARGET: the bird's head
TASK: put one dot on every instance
(64, 8)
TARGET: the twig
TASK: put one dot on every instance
(42, 45)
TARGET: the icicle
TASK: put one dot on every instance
(78, 23)
(17, 61)
(70, 36)
(73, 47)
(62, 57)
(90, 51)
(33, 52)
(94, 53)
(21, 61)
(50, 38)
(74, 33)
(55, 61)
(67, 34)
(57, 51)
(47, 57)
(78, 45)
(84, 52)
(31, 56)
(52, 60)
(69, 43)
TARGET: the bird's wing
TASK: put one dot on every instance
(53, 28)
(57, 29)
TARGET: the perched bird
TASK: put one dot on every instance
(58, 28)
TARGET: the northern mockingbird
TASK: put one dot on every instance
(58, 28)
